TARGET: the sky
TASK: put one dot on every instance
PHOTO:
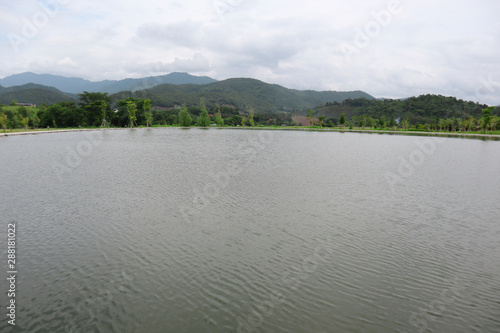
(387, 48)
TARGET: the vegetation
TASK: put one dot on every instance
(98, 110)
(240, 93)
(203, 119)
(423, 110)
(185, 119)
(132, 110)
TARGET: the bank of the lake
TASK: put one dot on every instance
(481, 136)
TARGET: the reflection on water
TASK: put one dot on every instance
(171, 230)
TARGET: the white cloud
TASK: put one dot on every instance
(444, 47)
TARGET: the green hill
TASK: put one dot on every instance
(422, 109)
(34, 94)
(241, 93)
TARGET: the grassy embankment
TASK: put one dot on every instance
(488, 134)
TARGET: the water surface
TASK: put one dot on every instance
(173, 230)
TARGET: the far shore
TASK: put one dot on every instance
(315, 129)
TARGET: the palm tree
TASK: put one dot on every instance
(471, 123)
(441, 124)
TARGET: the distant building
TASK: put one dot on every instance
(29, 105)
(305, 121)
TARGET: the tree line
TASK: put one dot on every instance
(487, 122)
(98, 110)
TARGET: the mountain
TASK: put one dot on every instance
(77, 85)
(241, 93)
(34, 94)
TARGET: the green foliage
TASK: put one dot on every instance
(203, 120)
(487, 113)
(321, 120)
(104, 107)
(250, 119)
(381, 123)
(342, 119)
(132, 111)
(25, 121)
(185, 119)
(405, 123)
(122, 118)
(91, 104)
(62, 114)
(425, 109)
(264, 97)
(370, 122)
(3, 120)
(218, 118)
(147, 111)
(234, 120)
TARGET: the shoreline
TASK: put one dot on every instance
(327, 129)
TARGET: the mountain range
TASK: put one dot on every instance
(75, 85)
(171, 90)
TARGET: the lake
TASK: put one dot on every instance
(232, 230)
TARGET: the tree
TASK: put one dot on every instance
(471, 123)
(321, 120)
(391, 123)
(218, 119)
(463, 125)
(25, 121)
(494, 121)
(203, 119)
(132, 111)
(36, 121)
(487, 117)
(91, 104)
(185, 119)
(342, 119)
(3, 121)
(251, 112)
(146, 106)
(361, 121)
(104, 107)
(381, 122)
(370, 122)
(442, 124)
(405, 123)
(310, 114)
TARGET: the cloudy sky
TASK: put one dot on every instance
(388, 48)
